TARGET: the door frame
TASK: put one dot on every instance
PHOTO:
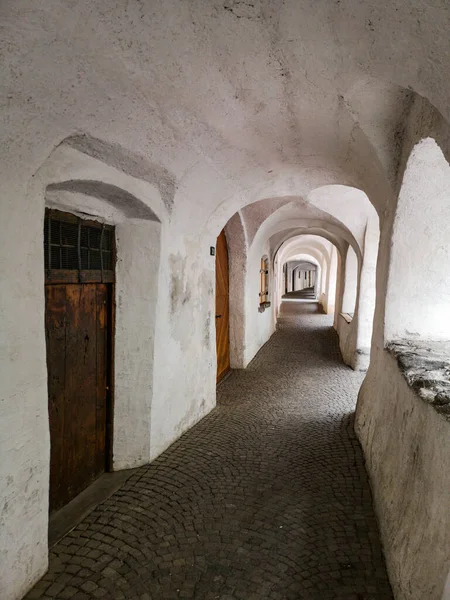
(79, 276)
(110, 373)
(226, 371)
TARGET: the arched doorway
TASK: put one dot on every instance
(79, 280)
(222, 308)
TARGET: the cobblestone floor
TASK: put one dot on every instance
(265, 499)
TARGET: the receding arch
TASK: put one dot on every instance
(122, 200)
(315, 246)
(298, 281)
(418, 292)
(124, 160)
(308, 247)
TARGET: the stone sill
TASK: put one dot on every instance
(347, 317)
(426, 368)
(262, 307)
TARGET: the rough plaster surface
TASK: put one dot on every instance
(367, 288)
(331, 281)
(237, 265)
(348, 205)
(199, 109)
(426, 368)
(25, 493)
(124, 160)
(138, 252)
(407, 444)
(120, 199)
(356, 334)
(348, 276)
(259, 325)
(420, 237)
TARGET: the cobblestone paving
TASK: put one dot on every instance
(265, 499)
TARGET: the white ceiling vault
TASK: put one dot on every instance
(234, 101)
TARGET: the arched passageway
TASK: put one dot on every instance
(266, 498)
(316, 130)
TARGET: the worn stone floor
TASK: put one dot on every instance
(265, 499)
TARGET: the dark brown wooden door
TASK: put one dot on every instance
(222, 308)
(78, 326)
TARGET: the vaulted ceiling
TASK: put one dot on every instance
(232, 101)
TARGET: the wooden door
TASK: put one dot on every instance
(78, 326)
(222, 308)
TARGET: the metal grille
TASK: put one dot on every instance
(60, 245)
(72, 244)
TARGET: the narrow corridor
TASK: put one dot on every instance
(265, 499)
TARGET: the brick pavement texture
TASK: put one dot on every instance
(266, 498)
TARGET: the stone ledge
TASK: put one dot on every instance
(348, 317)
(262, 307)
(426, 368)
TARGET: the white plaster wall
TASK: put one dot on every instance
(237, 265)
(331, 282)
(367, 292)
(359, 282)
(24, 469)
(347, 329)
(376, 408)
(406, 444)
(280, 279)
(349, 205)
(350, 282)
(260, 325)
(347, 332)
(421, 247)
(289, 277)
(184, 380)
(137, 273)
(299, 280)
(323, 285)
(347, 298)
(24, 434)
